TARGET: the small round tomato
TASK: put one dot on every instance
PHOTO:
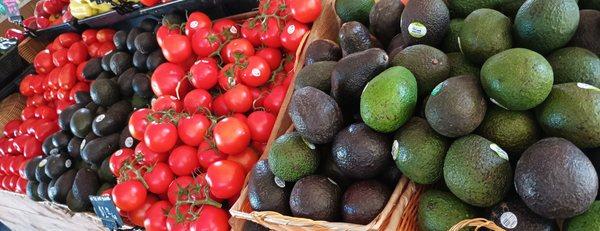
(270, 36)
(164, 31)
(231, 135)
(45, 112)
(167, 102)
(274, 99)
(178, 49)
(211, 218)
(219, 107)
(89, 36)
(225, 178)
(260, 124)
(11, 128)
(197, 101)
(271, 55)
(78, 53)
(207, 155)
(93, 49)
(43, 62)
(26, 87)
(305, 11)
(183, 212)
(67, 39)
(239, 98)
(129, 195)
(105, 35)
(149, 2)
(138, 123)
(192, 129)
(158, 178)
(44, 129)
(138, 215)
(28, 112)
(183, 160)
(105, 48)
(251, 31)
(197, 21)
(204, 74)
(205, 42)
(59, 58)
(160, 136)
(117, 159)
(168, 79)
(237, 49)
(66, 76)
(150, 157)
(79, 72)
(226, 28)
(292, 34)
(257, 71)
(229, 76)
(247, 158)
(21, 186)
(156, 216)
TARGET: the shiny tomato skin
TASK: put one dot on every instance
(156, 216)
(169, 79)
(138, 123)
(292, 34)
(129, 195)
(158, 178)
(160, 137)
(197, 101)
(225, 178)
(237, 47)
(231, 135)
(211, 218)
(183, 160)
(261, 123)
(192, 129)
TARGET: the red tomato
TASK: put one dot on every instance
(138, 215)
(62, 94)
(211, 218)
(129, 195)
(270, 6)
(274, 99)
(219, 107)
(180, 184)
(68, 39)
(197, 101)
(196, 21)
(105, 35)
(45, 112)
(42, 23)
(11, 128)
(15, 164)
(205, 42)
(183, 212)
(66, 76)
(32, 148)
(256, 73)
(51, 7)
(53, 79)
(93, 49)
(26, 87)
(21, 186)
(167, 102)
(260, 124)
(117, 159)
(292, 34)
(305, 11)
(158, 178)
(178, 49)
(59, 58)
(28, 112)
(271, 55)
(229, 76)
(44, 129)
(204, 74)
(149, 2)
(237, 49)
(43, 62)
(79, 72)
(270, 36)
(105, 48)
(192, 129)
(226, 28)
(239, 98)
(138, 123)
(36, 100)
(150, 157)
(225, 178)
(156, 216)
(207, 155)
(89, 36)
(78, 53)
(80, 86)
(247, 159)
(168, 79)
(231, 135)
(183, 160)
(164, 31)
(251, 32)
(160, 136)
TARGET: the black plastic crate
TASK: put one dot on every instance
(12, 64)
(12, 85)
(48, 34)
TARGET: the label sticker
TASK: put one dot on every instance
(291, 29)
(54, 151)
(438, 89)
(194, 24)
(233, 30)
(129, 142)
(311, 146)
(395, 146)
(499, 105)
(509, 220)
(586, 86)
(256, 72)
(279, 182)
(42, 163)
(100, 118)
(68, 163)
(417, 30)
(501, 153)
(119, 152)
(82, 145)
(459, 46)
(333, 182)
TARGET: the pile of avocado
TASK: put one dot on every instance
(76, 158)
(494, 104)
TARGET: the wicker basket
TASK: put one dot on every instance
(10, 109)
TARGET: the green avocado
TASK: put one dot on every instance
(291, 158)
(478, 41)
(439, 211)
(574, 64)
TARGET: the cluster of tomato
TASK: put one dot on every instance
(48, 13)
(217, 100)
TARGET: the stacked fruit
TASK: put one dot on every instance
(472, 118)
(12, 177)
(48, 13)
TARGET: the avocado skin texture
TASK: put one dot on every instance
(85, 184)
(419, 151)
(389, 99)
(451, 40)
(438, 211)
(586, 221)
(475, 173)
(56, 165)
(59, 191)
(104, 173)
(316, 197)
(31, 190)
(263, 192)
(328, 167)
(587, 33)
(433, 14)
(352, 73)
(115, 118)
(104, 92)
(360, 152)
(251, 226)
(354, 10)
(316, 116)
(98, 149)
(322, 50)
(31, 167)
(385, 18)
(42, 191)
(290, 157)
(513, 131)
(317, 75)
(64, 118)
(354, 37)
(574, 64)
(456, 107)
(478, 41)
(462, 8)
(363, 201)
(459, 65)
(573, 183)
(572, 112)
(543, 26)
(517, 79)
(428, 64)
(77, 205)
(510, 7)
(525, 218)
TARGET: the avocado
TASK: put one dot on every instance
(291, 158)
(317, 75)
(450, 43)
(517, 79)
(104, 92)
(360, 152)
(328, 167)
(138, 102)
(104, 173)
(31, 190)
(384, 19)
(425, 22)
(56, 165)
(462, 8)
(587, 34)
(398, 86)
(478, 41)
(155, 59)
(59, 191)
(133, 33)
(571, 111)
(316, 197)
(81, 122)
(459, 65)
(145, 43)
(251, 226)
(419, 151)
(585, 221)
(105, 75)
(315, 115)
(30, 168)
(98, 149)
(574, 183)
(120, 40)
(439, 211)
(82, 97)
(322, 50)
(428, 64)
(61, 140)
(513, 131)
(172, 18)
(477, 171)
(48, 146)
(396, 45)
(64, 118)
(42, 191)
(513, 215)
(92, 69)
(139, 61)
(510, 7)
(125, 80)
(40, 172)
(363, 201)
(544, 26)
(120, 62)
(148, 24)
(77, 205)
(390, 176)
(354, 10)
(574, 64)
(115, 118)
(456, 106)
(126, 140)
(266, 192)
(105, 62)
(354, 37)
(141, 85)
(85, 184)
(74, 147)
(352, 73)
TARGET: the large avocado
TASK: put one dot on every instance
(587, 34)
(428, 64)
(92, 69)
(40, 172)
(115, 118)
(81, 122)
(98, 149)
(385, 18)
(354, 37)
(141, 85)
(82, 97)
(316, 116)
(478, 41)
(64, 118)
(120, 40)
(322, 50)
(425, 22)
(56, 165)
(145, 42)
(363, 201)
(124, 82)
(139, 61)
(61, 140)
(439, 211)
(267, 193)
(586, 221)
(104, 92)
(77, 205)
(74, 147)
(120, 62)
(316, 197)
(105, 63)
(154, 60)
(59, 191)
(85, 184)
(317, 75)
(30, 168)
(31, 190)
(291, 158)
(513, 131)
(42, 191)
(575, 64)
(133, 33)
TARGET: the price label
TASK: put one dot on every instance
(12, 11)
(106, 210)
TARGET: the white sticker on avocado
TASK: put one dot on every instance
(438, 89)
(53, 151)
(459, 46)
(82, 145)
(279, 182)
(333, 182)
(42, 163)
(586, 86)
(100, 118)
(68, 163)
(417, 30)
(233, 30)
(501, 153)
(311, 146)
(395, 147)
(496, 102)
(53, 190)
(509, 220)
(129, 142)
(291, 29)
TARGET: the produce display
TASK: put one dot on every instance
(48, 13)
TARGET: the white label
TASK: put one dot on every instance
(496, 102)
(438, 88)
(311, 146)
(509, 220)
(129, 142)
(53, 190)
(586, 86)
(54, 151)
(291, 29)
(82, 145)
(279, 182)
(256, 72)
(194, 24)
(395, 146)
(233, 30)
(68, 163)
(100, 118)
(333, 182)
(417, 30)
(42, 163)
(501, 153)
(119, 152)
